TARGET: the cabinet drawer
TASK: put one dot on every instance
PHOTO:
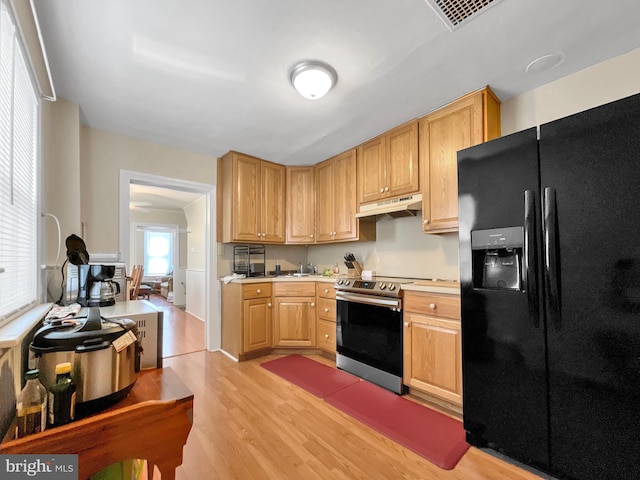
(256, 290)
(294, 289)
(327, 336)
(326, 309)
(325, 290)
(447, 306)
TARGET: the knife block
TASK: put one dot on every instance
(354, 269)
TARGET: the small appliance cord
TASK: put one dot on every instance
(55, 266)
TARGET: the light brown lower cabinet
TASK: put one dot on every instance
(246, 319)
(294, 316)
(326, 317)
(433, 345)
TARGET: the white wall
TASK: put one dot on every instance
(602, 83)
(400, 250)
(104, 154)
(196, 257)
(61, 184)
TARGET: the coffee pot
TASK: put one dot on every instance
(96, 285)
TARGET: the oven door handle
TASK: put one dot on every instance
(369, 299)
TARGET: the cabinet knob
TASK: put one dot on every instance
(311, 235)
(258, 291)
(326, 290)
(406, 324)
(326, 335)
(269, 304)
(326, 310)
(386, 189)
(382, 190)
(313, 304)
(433, 306)
(426, 222)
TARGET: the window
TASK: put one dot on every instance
(158, 253)
(19, 133)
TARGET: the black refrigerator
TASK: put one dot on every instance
(550, 291)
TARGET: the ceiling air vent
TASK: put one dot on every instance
(454, 13)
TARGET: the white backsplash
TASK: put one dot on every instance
(400, 250)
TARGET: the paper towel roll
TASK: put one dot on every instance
(368, 274)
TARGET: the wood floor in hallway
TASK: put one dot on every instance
(182, 332)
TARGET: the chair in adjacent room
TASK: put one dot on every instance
(137, 289)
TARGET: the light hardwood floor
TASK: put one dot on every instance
(182, 332)
(250, 424)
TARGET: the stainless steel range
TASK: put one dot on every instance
(369, 329)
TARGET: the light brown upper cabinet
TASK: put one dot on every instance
(252, 199)
(301, 205)
(336, 199)
(388, 164)
(470, 120)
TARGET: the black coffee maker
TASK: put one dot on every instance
(96, 287)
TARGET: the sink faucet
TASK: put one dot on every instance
(301, 267)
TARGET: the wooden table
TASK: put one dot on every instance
(152, 423)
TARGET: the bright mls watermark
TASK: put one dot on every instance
(39, 467)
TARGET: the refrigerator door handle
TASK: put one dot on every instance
(530, 256)
(552, 279)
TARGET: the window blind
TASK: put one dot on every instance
(19, 121)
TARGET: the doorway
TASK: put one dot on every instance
(209, 287)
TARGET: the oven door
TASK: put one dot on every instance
(369, 331)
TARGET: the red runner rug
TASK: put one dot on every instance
(316, 378)
(430, 434)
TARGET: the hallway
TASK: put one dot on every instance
(182, 332)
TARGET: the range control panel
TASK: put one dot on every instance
(379, 286)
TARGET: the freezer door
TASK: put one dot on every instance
(503, 338)
(590, 175)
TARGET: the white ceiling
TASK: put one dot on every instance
(212, 75)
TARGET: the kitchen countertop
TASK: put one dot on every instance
(287, 278)
(434, 286)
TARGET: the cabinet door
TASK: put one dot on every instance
(346, 227)
(433, 356)
(402, 161)
(325, 201)
(443, 133)
(371, 170)
(256, 318)
(246, 198)
(301, 205)
(294, 322)
(272, 219)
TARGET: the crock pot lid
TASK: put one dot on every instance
(68, 337)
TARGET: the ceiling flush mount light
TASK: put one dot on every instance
(313, 79)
